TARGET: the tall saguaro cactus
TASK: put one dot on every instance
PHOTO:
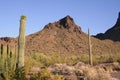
(90, 48)
(21, 41)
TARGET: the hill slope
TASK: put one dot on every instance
(65, 37)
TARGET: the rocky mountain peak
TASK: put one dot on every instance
(118, 21)
(67, 22)
(64, 23)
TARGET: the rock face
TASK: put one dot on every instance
(112, 33)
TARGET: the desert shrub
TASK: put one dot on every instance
(20, 74)
(46, 60)
(42, 59)
(116, 57)
(42, 75)
(31, 62)
(58, 77)
(105, 58)
(45, 74)
(118, 60)
(58, 58)
(90, 73)
(72, 60)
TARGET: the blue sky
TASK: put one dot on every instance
(98, 15)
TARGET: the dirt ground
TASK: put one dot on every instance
(116, 75)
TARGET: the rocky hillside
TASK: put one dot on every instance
(112, 33)
(64, 37)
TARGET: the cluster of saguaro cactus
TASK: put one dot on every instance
(11, 60)
(8, 60)
(90, 48)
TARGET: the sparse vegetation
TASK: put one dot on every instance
(47, 60)
(42, 60)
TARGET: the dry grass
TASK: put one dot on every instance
(41, 59)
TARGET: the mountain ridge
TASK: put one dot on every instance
(112, 33)
(66, 38)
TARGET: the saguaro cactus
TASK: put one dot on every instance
(2, 49)
(90, 50)
(21, 41)
(8, 50)
(2, 57)
(7, 62)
